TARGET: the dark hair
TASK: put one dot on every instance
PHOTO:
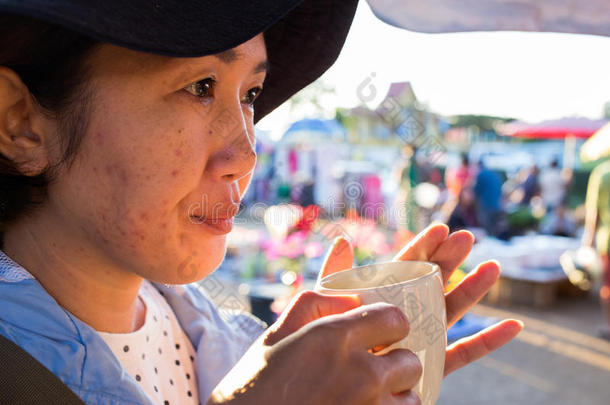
(465, 160)
(50, 61)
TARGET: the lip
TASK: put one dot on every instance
(216, 225)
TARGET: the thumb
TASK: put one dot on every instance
(305, 308)
(340, 256)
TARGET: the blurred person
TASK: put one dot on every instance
(307, 194)
(512, 187)
(552, 186)
(488, 194)
(530, 187)
(372, 200)
(302, 191)
(405, 173)
(559, 222)
(427, 171)
(464, 215)
(597, 232)
(459, 177)
(434, 176)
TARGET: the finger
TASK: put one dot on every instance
(470, 290)
(403, 369)
(307, 307)
(423, 246)
(469, 349)
(369, 326)
(405, 398)
(452, 252)
(340, 256)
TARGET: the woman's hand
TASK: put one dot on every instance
(448, 251)
(319, 352)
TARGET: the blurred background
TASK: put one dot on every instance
(497, 133)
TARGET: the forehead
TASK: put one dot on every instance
(112, 59)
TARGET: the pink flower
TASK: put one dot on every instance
(364, 235)
(291, 247)
(314, 249)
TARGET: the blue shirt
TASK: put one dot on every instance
(488, 189)
(75, 353)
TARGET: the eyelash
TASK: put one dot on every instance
(196, 88)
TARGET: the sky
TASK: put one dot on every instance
(528, 76)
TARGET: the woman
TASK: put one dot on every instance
(127, 142)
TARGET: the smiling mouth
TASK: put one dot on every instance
(214, 218)
(214, 225)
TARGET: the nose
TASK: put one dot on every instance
(235, 156)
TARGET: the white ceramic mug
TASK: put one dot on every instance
(417, 289)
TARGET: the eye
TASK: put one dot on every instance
(251, 95)
(203, 88)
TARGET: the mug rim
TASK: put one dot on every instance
(434, 268)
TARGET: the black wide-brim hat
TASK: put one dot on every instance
(303, 37)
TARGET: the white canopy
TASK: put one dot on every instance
(436, 16)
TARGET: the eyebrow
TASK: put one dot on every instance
(227, 56)
(230, 55)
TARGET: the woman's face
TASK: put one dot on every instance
(167, 156)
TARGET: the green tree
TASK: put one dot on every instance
(483, 122)
(311, 96)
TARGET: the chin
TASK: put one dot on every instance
(195, 268)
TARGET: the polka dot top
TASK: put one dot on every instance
(159, 355)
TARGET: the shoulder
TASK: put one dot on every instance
(231, 308)
(220, 334)
(196, 303)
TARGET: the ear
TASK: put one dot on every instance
(22, 126)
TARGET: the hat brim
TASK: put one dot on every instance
(303, 37)
(301, 47)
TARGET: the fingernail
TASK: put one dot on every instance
(337, 240)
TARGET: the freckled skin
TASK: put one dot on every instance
(99, 138)
(123, 176)
(139, 172)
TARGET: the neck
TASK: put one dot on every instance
(100, 294)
